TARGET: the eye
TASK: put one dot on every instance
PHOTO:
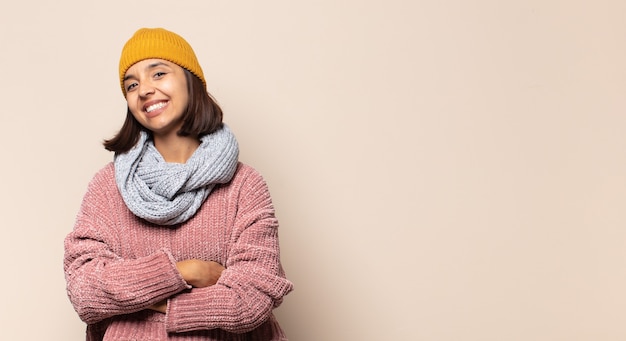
(159, 74)
(131, 86)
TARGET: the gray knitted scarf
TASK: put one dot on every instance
(170, 193)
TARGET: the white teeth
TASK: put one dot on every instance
(155, 106)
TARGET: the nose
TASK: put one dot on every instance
(146, 89)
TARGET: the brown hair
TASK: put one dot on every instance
(203, 116)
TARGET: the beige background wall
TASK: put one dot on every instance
(443, 170)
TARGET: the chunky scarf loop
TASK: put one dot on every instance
(170, 193)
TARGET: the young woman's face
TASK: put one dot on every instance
(157, 95)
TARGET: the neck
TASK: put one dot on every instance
(174, 148)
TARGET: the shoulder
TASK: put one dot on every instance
(105, 177)
(245, 173)
(106, 172)
(102, 196)
(247, 179)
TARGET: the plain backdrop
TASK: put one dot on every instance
(442, 170)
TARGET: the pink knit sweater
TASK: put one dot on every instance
(116, 265)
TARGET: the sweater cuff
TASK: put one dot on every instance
(179, 318)
(171, 279)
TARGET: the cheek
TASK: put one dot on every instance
(132, 98)
(178, 89)
(133, 107)
(180, 95)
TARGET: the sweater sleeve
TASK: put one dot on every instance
(253, 282)
(100, 283)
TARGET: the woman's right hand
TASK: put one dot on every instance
(199, 273)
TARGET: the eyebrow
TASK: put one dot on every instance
(150, 66)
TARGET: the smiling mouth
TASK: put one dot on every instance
(155, 106)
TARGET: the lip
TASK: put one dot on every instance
(156, 111)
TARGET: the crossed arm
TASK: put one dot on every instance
(197, 273)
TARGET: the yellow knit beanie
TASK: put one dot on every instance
(158, 43)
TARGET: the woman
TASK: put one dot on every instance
(175, 239)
